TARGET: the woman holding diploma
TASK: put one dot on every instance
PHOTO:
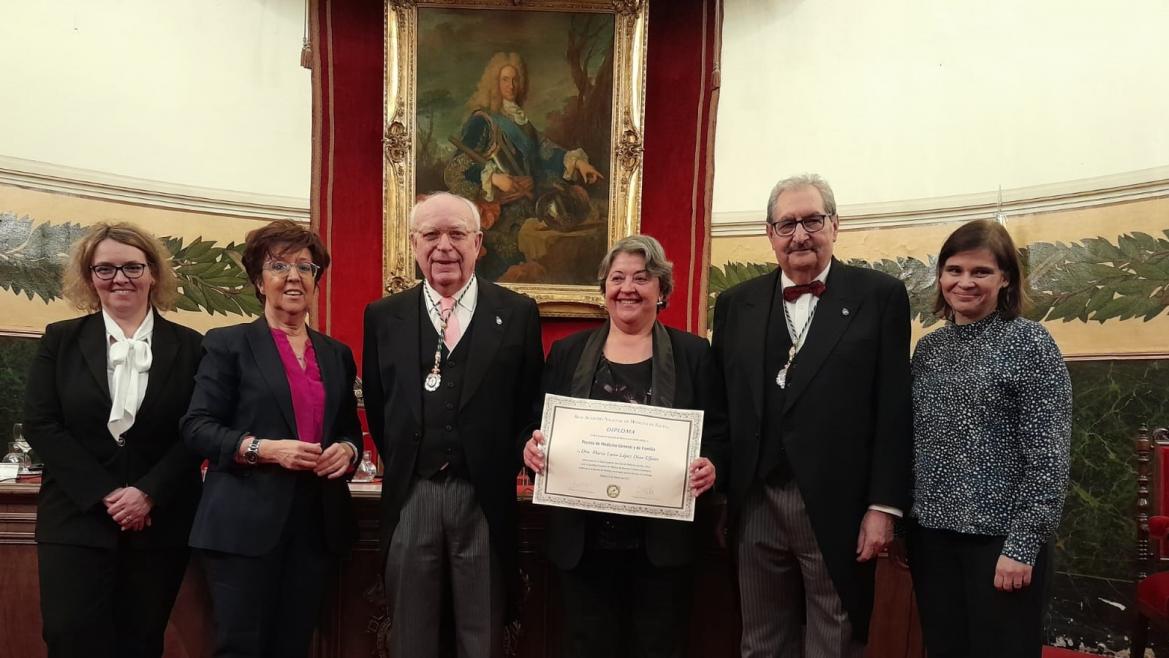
(627, 581)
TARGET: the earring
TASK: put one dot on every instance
(661, 304)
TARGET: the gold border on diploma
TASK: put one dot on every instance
(620, 458)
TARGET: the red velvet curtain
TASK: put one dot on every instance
(681, 98)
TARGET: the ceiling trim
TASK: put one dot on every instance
(1070, 195)
(86, 183)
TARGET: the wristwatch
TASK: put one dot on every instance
(252, 454)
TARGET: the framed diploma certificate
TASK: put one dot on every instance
(617, 457)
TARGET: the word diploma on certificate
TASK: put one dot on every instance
(618, 457)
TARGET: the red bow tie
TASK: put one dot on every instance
(792, 293)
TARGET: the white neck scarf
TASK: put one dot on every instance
(130, 359)
(515, 112)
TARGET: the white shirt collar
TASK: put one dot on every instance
(128, 361)
(144, 331)
(467, 300)
(784, 282)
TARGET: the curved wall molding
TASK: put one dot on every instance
(57, 179)
(1069, 195)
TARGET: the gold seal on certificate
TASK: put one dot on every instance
(617, 457)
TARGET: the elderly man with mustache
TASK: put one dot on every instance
(814, 361)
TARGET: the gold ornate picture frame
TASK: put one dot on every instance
(572, 67)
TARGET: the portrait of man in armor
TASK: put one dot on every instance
(532, 141)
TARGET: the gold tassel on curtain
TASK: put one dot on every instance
(306, 50)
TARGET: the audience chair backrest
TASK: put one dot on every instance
(1152, 499)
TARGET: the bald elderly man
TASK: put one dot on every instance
(451, 370)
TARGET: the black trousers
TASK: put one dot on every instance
(115, 603)
(267, 606)
(962, 614)
(617, 604)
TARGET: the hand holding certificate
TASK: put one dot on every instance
(619, 458)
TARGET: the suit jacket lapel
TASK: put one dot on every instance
(490, 320)
(94, 349)
(329, 363)
(754, 332)
(404, 348)
(272, 369)
(665, 375)
(834, 312)
(164, 347)
(586, 367)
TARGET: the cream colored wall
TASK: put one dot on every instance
(190, 118)
(918, 99)
(198, 93)
(23, 316)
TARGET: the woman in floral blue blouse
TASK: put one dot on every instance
(992, 419)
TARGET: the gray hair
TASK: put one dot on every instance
(471, 208)
(802, 181)
(656, 264)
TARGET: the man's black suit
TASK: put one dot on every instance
(845, 424)
(269, 535)
(95, 596)
(499, 380)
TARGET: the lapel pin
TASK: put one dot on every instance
(498, 320)
(844, 312)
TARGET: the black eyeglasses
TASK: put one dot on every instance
(282, 269)
(105, 272)
(787, 227)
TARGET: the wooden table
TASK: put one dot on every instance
(354, 622)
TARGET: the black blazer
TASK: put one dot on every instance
(496, 405)
(241, 389)
(66, 407)
(847, 417)
(667, 543)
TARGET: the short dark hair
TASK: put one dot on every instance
(276, 239)
(992, 236)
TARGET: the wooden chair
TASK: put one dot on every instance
(1152, 590)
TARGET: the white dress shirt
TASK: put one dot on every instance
(466, 298)
(800, 311)
(128, 363)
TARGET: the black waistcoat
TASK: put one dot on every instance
(773, 463)
(440, 409)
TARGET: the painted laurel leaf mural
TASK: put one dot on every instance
(1092, 280)
(211, 277)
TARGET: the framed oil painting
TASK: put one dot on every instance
(535, 114)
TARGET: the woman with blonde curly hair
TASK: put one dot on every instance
(105, 394)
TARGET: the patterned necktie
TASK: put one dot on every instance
(792, 293)
(451, 336)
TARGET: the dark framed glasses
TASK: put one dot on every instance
(787, 227)
(105, 271)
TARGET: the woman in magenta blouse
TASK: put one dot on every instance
(275, 415)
